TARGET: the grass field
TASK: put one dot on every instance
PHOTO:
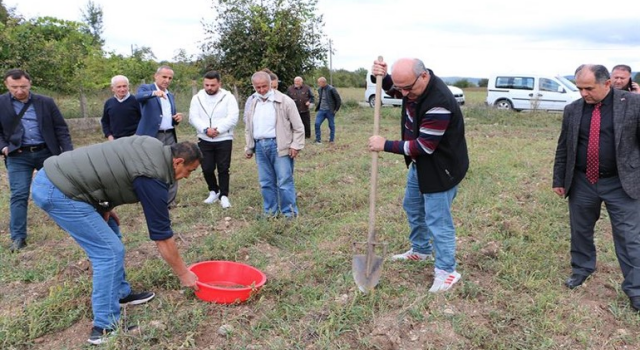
(512, 239)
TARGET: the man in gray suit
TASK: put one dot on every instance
(598, 160)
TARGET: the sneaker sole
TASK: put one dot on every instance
(410, 258)
(105, 338)
(448, 283)
(139, 301)
(96, 341)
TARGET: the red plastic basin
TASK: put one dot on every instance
(226, 282)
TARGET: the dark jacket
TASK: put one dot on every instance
(53, 128)
(152, 110)
(448, 164)
(301, 96)
(626, 128)
(334, 98)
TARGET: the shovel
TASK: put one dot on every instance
(367, 268)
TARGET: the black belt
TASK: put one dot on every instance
(603, 174)
(166, 131)
(33, 148)
(606, 174)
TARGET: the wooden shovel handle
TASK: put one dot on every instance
(374, 164)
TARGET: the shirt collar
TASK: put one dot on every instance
(124, 98)
(158, 88)
(607, 101)
(14, 99)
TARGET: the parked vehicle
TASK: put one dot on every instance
(530, 92)
(370, 95)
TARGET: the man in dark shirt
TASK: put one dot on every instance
(32, 129)
(121, 113)
(80, 196)
(302, 95)
(329, 103)
(597, 161)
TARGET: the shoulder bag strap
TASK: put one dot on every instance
(19, 117)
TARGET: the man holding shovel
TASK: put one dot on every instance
(435, 151)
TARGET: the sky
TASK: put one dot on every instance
(464, 38)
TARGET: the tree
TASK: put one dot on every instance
(282, 35)
(463, 84)
(92, 17)
(484, 82)
(50, 49)
(4, 14)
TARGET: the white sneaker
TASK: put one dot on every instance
(213, 197)
(411, 255)
(224, 202)
(444, 280)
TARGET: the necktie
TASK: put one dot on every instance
(593, 158)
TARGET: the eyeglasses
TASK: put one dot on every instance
(408, 87)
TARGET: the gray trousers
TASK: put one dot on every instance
(169, 138)
(585, 202)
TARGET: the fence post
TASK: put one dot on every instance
(83, 105)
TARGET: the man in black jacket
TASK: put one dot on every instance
(31, 130)
(435, 150)
(328, 105)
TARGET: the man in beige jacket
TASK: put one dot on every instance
(275, 134)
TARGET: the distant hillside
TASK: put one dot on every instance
(452, 80)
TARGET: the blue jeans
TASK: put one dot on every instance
(20, 167)
(429, 216)
(320, 117)
(97, 238)
(275, 175)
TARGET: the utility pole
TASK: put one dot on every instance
(330, 62)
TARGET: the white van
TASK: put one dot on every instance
(370, 95)
(530, 91)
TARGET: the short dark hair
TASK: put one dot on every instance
(600, 72)
(212, 74)
(622, 67)
(186, 150)
(16, 74)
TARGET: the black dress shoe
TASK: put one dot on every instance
(576, 280)
(17, 244)
(635, 302)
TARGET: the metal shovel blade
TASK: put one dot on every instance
(367, 280)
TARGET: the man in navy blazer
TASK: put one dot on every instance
(159, 117)
(25, 143)
(598, 160)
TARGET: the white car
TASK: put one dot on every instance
(521, 92)
(370, 96)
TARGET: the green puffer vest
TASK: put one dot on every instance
(102, 174)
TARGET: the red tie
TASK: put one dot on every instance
(593, 159)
